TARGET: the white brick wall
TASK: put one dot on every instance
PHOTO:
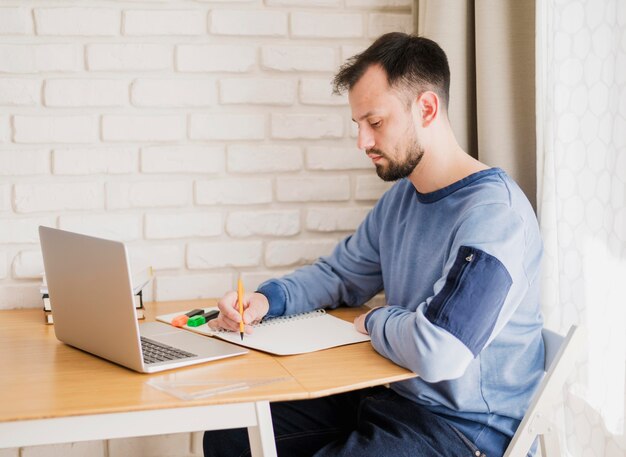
(89, 161)
(252, 23)
(272, 223)
(165, 22)
(173, 93)
(15, 21)
(19, 92)
(77, 21)
(129, 56)
(24, 162)
(57, 128)
(204, 134)
(318, 188)
(215, 57)
(85, 92)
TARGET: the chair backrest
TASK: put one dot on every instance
(560, 356)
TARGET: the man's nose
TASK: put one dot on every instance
(365, 139)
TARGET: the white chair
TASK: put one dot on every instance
(560, 356)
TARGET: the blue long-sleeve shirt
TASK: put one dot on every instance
(460, 271)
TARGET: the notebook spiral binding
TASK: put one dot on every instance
(292, 317)
(279, 319)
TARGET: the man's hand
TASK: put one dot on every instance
(359, 322)
(255, 307)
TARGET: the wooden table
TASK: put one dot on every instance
(53, 393)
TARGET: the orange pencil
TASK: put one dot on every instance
(240, 304)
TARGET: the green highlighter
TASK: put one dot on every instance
(197, 321)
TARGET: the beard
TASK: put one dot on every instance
(395, 170)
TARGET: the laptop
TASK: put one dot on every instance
(90, 289)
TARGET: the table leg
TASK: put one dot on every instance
(261, 436)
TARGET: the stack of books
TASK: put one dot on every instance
(140, 281)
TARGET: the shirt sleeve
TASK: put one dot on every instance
(350, 276)
(482, 283)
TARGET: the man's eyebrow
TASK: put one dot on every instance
(368, 114)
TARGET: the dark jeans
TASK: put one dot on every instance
(371, 422)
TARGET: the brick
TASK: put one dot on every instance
(214, 58)
(370, 187)
(248, 23)
(299, 58)
(122, 227)
(55, 129)
(24, 162)
(20, 92)
(150, 446)
(182, 159)
(306, 126)
(336, 158)
(303, 189)
(159, 257)
(183, 225)
(219, 254)
(320, 92)
(272, 223)
(16, 21)
(5, 197)
(147, 194)
(5, 129)
(326, 25)
(21, 296)
(335, 219)
(348, 51)
(258, 91)
(380, 23)
(23, 229)
(297, 252)
(4, 271)
(88, 161)
(28, 264)
(35, 58)
(90, 448)
(225, 126)
(173, 92)
(143, 128)
(129, 57)
(165, 22)
(259, 158)
(405, 4)
(233, 191)
(190, 287)
(77, 21)
(52, 196)
(85, 92)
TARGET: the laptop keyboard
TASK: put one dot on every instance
(154, 352)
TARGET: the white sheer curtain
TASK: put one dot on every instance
(581, 181)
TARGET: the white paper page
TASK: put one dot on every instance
(290, 334)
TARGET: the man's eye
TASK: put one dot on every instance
(376, 124)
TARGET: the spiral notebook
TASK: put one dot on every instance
(288, 335)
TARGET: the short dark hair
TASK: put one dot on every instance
(412, 62)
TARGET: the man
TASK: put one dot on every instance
(456, 248)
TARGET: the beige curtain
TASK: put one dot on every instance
(491, 50)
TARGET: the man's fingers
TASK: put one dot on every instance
(255, 308)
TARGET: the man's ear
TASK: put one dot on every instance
(427, 107)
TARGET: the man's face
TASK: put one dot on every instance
(386, 125)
